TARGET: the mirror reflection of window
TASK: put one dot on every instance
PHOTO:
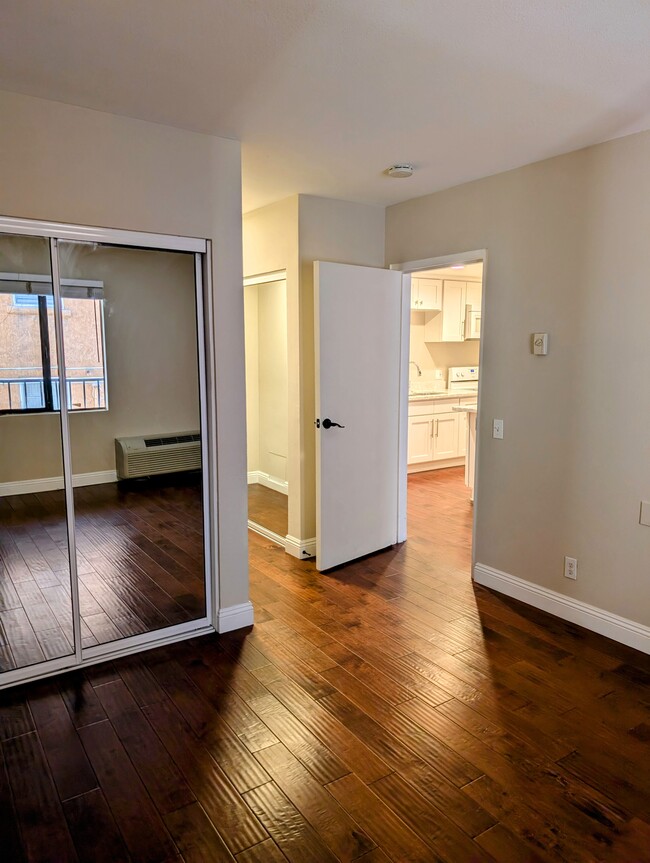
(29, 378)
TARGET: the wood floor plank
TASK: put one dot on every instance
(196, 837)
(265, 852)
(317, 758)
(338, 831)
(69, 765)
(15, 715)
(297, 840)
(94, 831)
(447, 842)
(386, 829)
(141, 827)
(42, 825)
(12, 848)
(156, 769)
(222, 803)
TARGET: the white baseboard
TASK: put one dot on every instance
(235, 617)
(612, 626)
(436, 465)
(269, 481)
(52, 483)
(266, 533)
(300, 548)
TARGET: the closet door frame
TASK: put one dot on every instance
(201, 249)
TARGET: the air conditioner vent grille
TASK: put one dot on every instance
(168, 440)
(168, 453)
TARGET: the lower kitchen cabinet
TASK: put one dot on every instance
(445, 436)
(420, 447)
(436, 433)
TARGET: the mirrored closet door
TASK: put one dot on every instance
(36, 615)
(104, 498)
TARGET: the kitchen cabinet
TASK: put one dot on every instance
(436, 433)
(419, 440)
(445, 436)
(449, 325)
(426, 294)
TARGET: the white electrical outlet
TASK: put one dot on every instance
(570, 568)
(497, 429)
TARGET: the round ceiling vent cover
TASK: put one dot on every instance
(400, 171)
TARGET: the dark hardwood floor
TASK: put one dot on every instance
(386, 711)
(268, 508)
(139, 558)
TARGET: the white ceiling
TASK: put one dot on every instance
(325, 94)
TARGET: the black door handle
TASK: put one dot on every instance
(328, 424)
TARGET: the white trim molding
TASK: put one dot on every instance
(266, 533)
(235, 617)
(269, 481)
(300, 548)
(53, 483)
(598, 620)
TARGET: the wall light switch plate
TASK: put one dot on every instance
(644, 518)
(540, 344)
(497, 429)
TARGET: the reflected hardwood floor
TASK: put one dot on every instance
(268, 508)
(385, 711)
(139, 557)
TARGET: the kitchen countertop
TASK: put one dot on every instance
(468, 409)
(441, 394)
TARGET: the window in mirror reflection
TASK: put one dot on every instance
(29, 372)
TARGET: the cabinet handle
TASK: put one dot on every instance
(437, 421)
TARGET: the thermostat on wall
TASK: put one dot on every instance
(540, 344)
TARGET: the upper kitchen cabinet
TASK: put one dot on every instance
(426, 295)
(461, 306)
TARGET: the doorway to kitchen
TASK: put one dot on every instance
(441, 407)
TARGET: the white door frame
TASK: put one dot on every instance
(56, 232)
(415, 267)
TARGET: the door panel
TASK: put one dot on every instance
(36, 611)
(132, 365)
(445, 436)
(358, 323)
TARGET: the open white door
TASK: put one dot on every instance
(360, 362)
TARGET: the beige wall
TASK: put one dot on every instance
(70, 164)
(437, 356)
(568, 253)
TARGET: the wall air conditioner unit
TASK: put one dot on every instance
(157, 454)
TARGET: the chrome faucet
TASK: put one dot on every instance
(413, 363)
